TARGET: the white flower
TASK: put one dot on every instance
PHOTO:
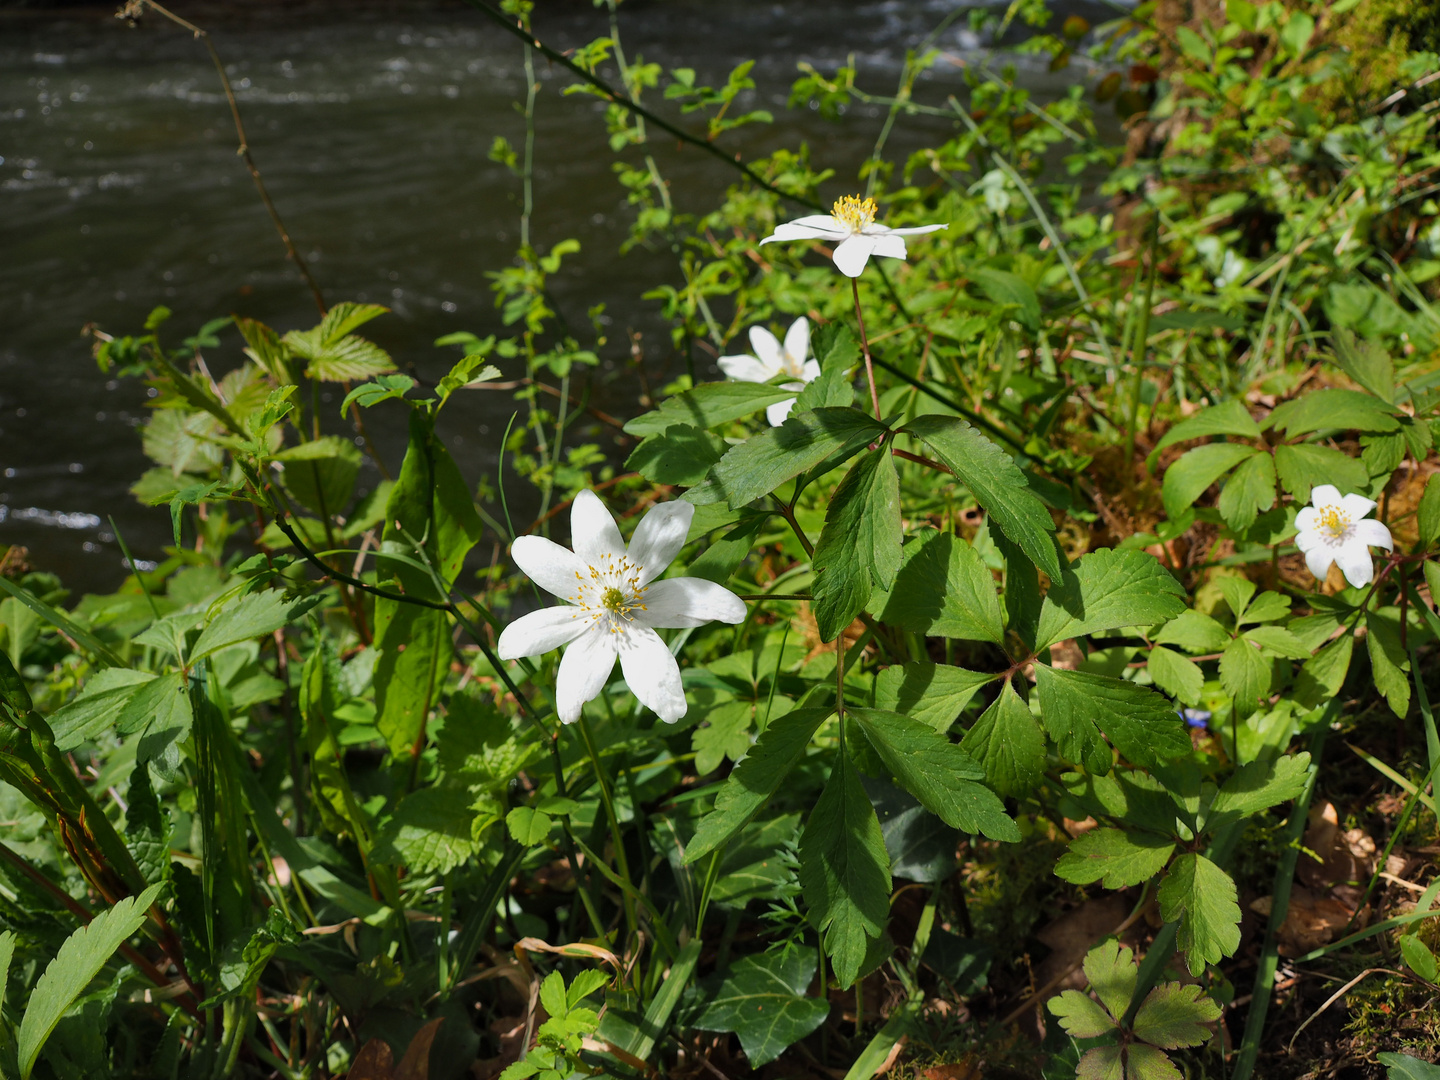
(776, 359)
(851, 227)
(1334, 529)
(613, 604)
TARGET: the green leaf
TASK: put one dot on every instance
(96, 706)
(763, 462)
(1302, 466)
(1174, 1015)
(333, 353)
(1077, 706)
(383, 388)
(680, 455)
(471, 371)
(937, 772)
(346, 317)
(943, 588)
(1101, 1063)
(79, 960)
(933, 694)
(1112, 973)
(1132, 796)
(1250, 489)
(1406, 1067)
(1194, 632)
(997, 483)
(81, 636)
(1115, 857)
(859, 548)
(161, 713)
(1427, 515)
(1332, 409)
(1277, 642)
(1190, 476)
(1245, 674)
(528, 826)
(762, 999)
(1106, 590)
(1267, 607)
(433, 830)
(1177, 675)
(845, 871)
(1149, 1063)
(921, 846)
(724, 556)
(1081, 1017)
(252, 615)
(782, 744)
(1324, 673)
(1299, 28)
(837, 352)
(1228, 418)
(1201, 897)
(1008, 744)
(321, 474)
(1389, 663)
(1418, 957)
(708, 405)
(726, 733)
(1258, 786)
(1193, 46)
(1012, 290)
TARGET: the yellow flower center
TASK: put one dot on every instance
(1334, 521)
(853, 212)
(612, 593)
(612, 599)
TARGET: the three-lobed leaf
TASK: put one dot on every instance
(1174, 1015)
(1202, 898)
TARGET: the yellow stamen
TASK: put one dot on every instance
(1334, 521)
(854, 212)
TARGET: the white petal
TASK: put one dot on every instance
(688, 601)
(914, 230)
(593, 533)
(1305, 519)
(852, 253)
(584, 670)
(659, 537)
(1356, 564)
(1356, 506)
(1310, 539)
(891, 246)
(1324, 495)
(779, 412)
(767, 348)
(1372, 532)
(814, 227)
(745, 368)
(549, 565)
(797, 340)
(811, 371)
(1318, 560)
(541, 631)
(651, 672)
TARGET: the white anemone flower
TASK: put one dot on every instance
(1334, 529)
(851, 227)
(771, 359)
(613, 605)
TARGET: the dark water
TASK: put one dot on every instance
(120, 189)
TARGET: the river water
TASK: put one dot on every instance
(120, 189)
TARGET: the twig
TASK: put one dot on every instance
(1336, 997)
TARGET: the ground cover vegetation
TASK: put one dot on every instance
(1022, 657)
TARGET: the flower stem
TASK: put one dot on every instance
(865, 347)
(622, 864)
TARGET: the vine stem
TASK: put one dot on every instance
(865, 346)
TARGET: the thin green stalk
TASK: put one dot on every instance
(865, 345)
(130, 561)
(1142, 342)
(622, 863)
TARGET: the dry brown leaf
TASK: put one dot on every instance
(373, 1062)
(1347, 855)
(1312, 920)
(415, 1065)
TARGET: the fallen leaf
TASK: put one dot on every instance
(1311, 920)
(373, 1062)
(415, 1065)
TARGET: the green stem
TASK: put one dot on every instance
(622, 863)
(1142, 341)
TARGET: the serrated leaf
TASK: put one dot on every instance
(1324, 673)
(1177, 675)
(321, 473)
(1149, 1063)
(1190, 476)
(1245, 674)
(1228, 418)
(1129, 795)
(1267, 607)
(1258, 786)
(765, 461)
(1331, 408)
(1427, 514)
(1194, 632)
(346, 317)
(681, 455)
(1112, 972)
(528, 826)
(1008, 744)
(79, 960)
(1081, 710)
(1101, 1063)
(1277, 642)
(1174, 1015)
(383, 388)
(708, 405)
(933, 694)
(845, 871)
(96, 707)
(1081, 1017)
(1201, 897)
(756, 778)
(937, 772)
(1301, 466)
(1115, 857)
(837, 352)
(997, 483)
(432, 830)
(1106, 590)
(859, 548)
(249, 617)
(1250, 489)
(762, 999)
(1389, 663)
(943, 588)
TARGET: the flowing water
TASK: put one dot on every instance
(120, 190)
